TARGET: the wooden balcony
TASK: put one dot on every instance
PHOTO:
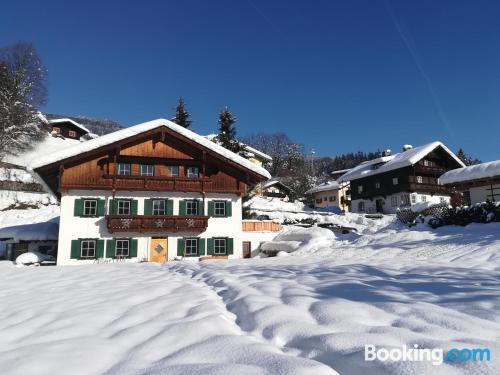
(156, 224)
(429, 188)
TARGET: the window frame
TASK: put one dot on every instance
(360, 189)
(405, 200)
(188, 208)
(361, 206)
(394, 201)
(217, 242)
(188, 244)
(120, 173)
(413, 198)
(56, 129)
(395, 180)
(423, 198)
(420, 180)
(188, 172)
(71, 133)
(377, 185)
(85, 208)
(148, 173)
(121, 241)
(216, 203)
(159, 210)
(118, 201)
(170, 167)
(87, 256)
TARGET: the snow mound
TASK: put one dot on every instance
(305, 239)
(32, 257)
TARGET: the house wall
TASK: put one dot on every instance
(389, 208)
(257, 238)
(482, 193)
(326, 196)
(73, 227)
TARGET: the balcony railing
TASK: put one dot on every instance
(156, 224)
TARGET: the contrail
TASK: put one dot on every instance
(413, 52)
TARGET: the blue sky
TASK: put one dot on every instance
(338, 76)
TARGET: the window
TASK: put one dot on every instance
(361, 207)
(72, 133)
(395, 181)
(90, 207)
(426, 163)
(360, 189)
(191, 207)
(123, 169)
(405, 200)
(158, 207)
(123, 207)
(147, 170)
(413, 199)
(331, 198)
(318, 200)
(192, 172)
(57, 130)
(87, 249)
(423, 198)
(325, 199)
(122, 248)
(174, 170)
(377, 185)
(394, 201)
(192, 246)
(219, 208)
(419, 179)
(220, 246)
(442, 199)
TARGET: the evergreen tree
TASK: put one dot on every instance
(182, 115)
(227, 132)
(467, 159)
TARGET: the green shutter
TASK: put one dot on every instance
(211, 208)
(229, 208)
(133, 207)
(148, 207)
(201, 247)
(229, 246)
(75, 249)
(201, 207)
(110, 248)
(181, 243)
(169, 207)
(182, 208)
(112, 206)
(78, 207)
(133, 248)
(101, 211)
(99, 249)
(210, 246)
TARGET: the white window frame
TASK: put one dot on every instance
(121, 206)
(426, 163)
(361, 206)
(147, 172)
(56, 129)
(122, 171)
(92, 210)
(377, 185)
(220, 243)
(172, 168)
(190, 172)
(360, 189)
(395, 180)
(442, 200)
(84, 246)
(120, 249)
(189, 208)
(423, 198)
(220, 208)
(161, 210)
(413, 198)
(190, 245)
(72, 133)
(420, 179)
(394, 201)
(405, 200)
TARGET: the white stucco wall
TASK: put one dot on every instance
(72, 227)
(336, 194)
(388, 208)
(482, 193)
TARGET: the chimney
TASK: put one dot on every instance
(407, 147)
(386, 152)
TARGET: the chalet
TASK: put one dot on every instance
(411, 177)
(151, 192)
(330, 194)
(274, 188)
(478, 183)
(67, 128)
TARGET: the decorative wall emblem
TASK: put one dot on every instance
(126, 223)
(190, 223)
(158, 248)
(159, 223)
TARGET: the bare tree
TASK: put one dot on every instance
(22, 92)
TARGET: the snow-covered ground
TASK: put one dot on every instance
(306, 313)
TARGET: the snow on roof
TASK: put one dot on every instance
(47, 231)
(325, 186)
(275, 181)
(392, 162)
(473, 172)
(340, 171)
(141, 128)
(60, 120)
(257, 152)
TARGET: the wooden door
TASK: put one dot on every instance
(247, 249)
(158, 250)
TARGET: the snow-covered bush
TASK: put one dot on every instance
(33, 257)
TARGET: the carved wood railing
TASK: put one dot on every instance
(156, 224)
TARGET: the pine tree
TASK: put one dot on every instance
(181, 114)
(227, 132)
(467, 159)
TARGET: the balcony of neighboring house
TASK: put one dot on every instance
(427, 184)
(430, 170)
(156, 224)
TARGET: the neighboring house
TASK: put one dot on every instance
(479, 182)
(67, 128)
(336, 174)
(330, 194)
(411, 177)
(151, 192)
(274, 188)
(255, 156)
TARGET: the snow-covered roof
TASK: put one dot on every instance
(61, 120)
(256, 152)
(473, 172)
(388, 163)
(340, 171)
(275, 181)
(325, 186)
(131, 131)
(47, 231)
